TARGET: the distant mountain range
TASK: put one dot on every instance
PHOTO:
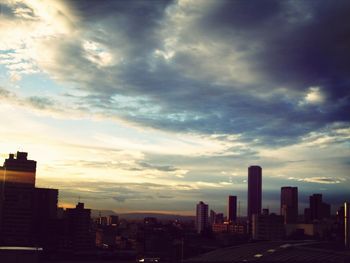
(140, 216)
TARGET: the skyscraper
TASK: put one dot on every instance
(25, 211)
(347, 224)
(201, 217)
(232, 208)
(254, 191)
(79, 232)
(17, 186)
(289, 204)
(318, 209)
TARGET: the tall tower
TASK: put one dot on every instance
(16, 200)
(346, 224)
(25, 211)
(289, 204)
(79, 232)
(254, 191)
(201, 217)
(232, 208)
(318, 208)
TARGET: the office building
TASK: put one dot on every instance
(24, 210)
(44, 216)
(254, 191)
(226, 227)
(212, 217)
(267, 226)
(318, 210)
(347, 224)
(201, 217)
(17, 186)
(18, 170)
(79, 235)
(289, 204)
(232, 209)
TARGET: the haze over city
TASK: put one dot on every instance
(139, 106)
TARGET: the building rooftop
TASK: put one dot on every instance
(278, 251)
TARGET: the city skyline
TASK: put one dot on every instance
(19, 171)
(170, 101)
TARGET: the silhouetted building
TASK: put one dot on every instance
(254, 190)
(307, 215)
(16, 211)
(219, 218)
(267, 226)
(215, 218)
(113, 220)
(226, 227)
(212, 217)
(78, 228)
(201, 217)
(19, 170)
(347, 224)
(289, 204)
(44, 216)
(232, 209)
(26, 212)
(318, 209)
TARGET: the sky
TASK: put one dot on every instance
(139, 106)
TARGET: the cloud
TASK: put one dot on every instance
(41, 102)
(319, 180)
(164, 168)
(314, 96)
(197, 66)
(217, 82)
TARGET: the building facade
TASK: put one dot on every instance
(25, 211)
(289, 204)
(318, 209)
(79, 235)
(268, 227)
(201, 217)
(232, 209)
(254, 191)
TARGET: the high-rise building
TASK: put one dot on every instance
(232, 209)
(44, 216)
(18, 170)
(318, 209)
(201, 217)
(17, 186)
(24, 209)
(267, 226)
(347, 224)
(212, 217)
(78, 228)
(254, 191)
(289, 204)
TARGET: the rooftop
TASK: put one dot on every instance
(278, 251)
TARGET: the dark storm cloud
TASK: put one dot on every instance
(290, 46)
(136, 21)
(304, 43)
